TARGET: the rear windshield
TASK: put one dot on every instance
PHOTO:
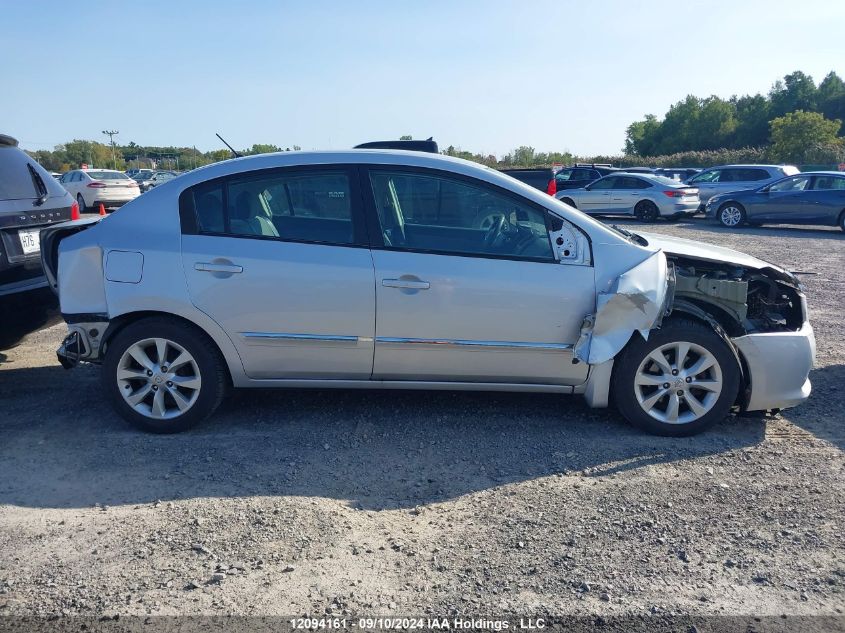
(663, 180)
(108, 175)
(16, 180)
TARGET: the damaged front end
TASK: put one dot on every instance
(758, 309)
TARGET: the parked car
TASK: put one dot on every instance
(682, 174)
(541, 178)
(266, 272)
(92, 187)
(643, 196)
(736, 178)
(580, 175)
(810, 198)
(155, 179)
(30, 198)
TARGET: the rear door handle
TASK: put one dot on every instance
(407, 284)
(211, 267)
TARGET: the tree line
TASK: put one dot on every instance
(797, 121)
(78, 152)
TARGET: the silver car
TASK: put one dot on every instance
(644, 196)
(405, 270)
(726, 178)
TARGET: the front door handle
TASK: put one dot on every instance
(406, 284)
(214, 267)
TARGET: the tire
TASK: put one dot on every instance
(842, 220)
(81, 202)
(731, 215)
(569, 201)
(203, 377)
(646, 211)
(639, 384)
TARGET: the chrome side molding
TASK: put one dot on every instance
(458, 343)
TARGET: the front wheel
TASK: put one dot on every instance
(646, 211)
(81, 202)
(731, 215)
(679, 382)
(163, 375)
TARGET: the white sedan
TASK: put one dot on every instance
(644, 196)
(92, 187)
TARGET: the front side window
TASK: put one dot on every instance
(302, 207)
(608, 182)
(798, 183)
(714, 175)
(440, 214)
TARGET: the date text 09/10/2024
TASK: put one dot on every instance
(406, 624)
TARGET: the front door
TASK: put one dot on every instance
(596, 197)
(467, 287)
(279, 260)
(785, 201)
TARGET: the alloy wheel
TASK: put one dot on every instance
(678, 383)
(158, 378)
(730, 216)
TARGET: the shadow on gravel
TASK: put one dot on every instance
(822, 414)
(24, 313)
(374, 450)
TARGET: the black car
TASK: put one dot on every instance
(809, 198)
(30, 199)
(581, 175)
(541, 178)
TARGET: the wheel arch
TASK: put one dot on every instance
(232, 361)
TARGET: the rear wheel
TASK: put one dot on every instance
(731, 215)
(81, 202)
(646, 211)
(163, 376)
(842, 220)
(679, 382)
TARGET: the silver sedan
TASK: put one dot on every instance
(643, 196)
(403, 270)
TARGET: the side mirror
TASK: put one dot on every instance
(764, 189)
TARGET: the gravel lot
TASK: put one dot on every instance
(295, 502)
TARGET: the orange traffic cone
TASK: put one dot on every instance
(102, 209)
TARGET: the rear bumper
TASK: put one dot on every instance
(779, 365)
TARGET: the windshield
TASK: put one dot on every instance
(108, 175)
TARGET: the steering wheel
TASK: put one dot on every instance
(494, 231)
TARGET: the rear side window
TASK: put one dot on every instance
(301, 207)
(744, 174)
(627, 182)
(608, 182)
(835, 183)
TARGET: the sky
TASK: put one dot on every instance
(484, 76)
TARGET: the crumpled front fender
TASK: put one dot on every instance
(635, 302)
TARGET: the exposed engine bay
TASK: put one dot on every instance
(741, 300)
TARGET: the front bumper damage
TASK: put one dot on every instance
(760, 312)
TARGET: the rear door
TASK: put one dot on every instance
(627, 191)
(279, 258)
(467, 287)
(825, 200)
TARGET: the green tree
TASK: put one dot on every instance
(797, 91)
(752, 116)
(262, 148)
(641, 137)
(831, 97)
(799, 135)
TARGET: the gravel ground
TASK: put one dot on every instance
(295, 502)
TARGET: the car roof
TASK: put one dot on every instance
(821, 173)
(750, 165)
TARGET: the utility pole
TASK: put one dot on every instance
(111, 134)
